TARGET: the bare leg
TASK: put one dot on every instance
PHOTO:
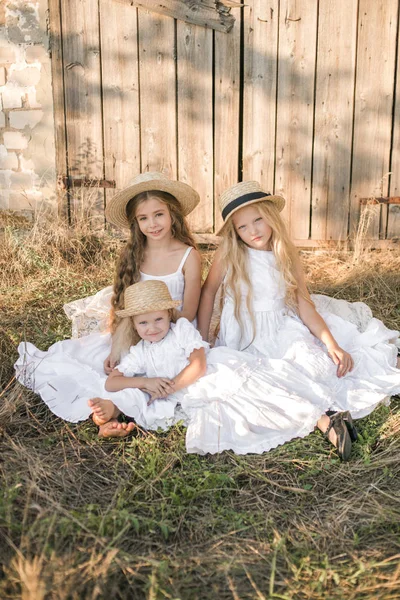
(398, 362)
(115, 429)
(103, 410)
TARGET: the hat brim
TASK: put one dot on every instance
(187, 197)
(163, 305)
(279, 201)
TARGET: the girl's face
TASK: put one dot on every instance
(152, 326)
(154, 219)
(252, 228)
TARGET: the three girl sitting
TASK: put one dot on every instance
(277, 365)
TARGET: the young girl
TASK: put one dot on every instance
(234, 403)
(160, 247)
(267, 311)
(167, 356)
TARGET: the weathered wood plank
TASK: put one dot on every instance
(337, 29)
(57, 83)
(157, 86)
(195, 134)
(387, 200)
(259, 96)
(373, 107)
(120, 78)
(58, 99)
(212, 240)
(82, 79)
(393, 225)
(296, 70)
(70, 182)
(207, 13)
(226, 119)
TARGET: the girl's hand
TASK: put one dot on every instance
(108, 365)
(158, 387)
(341, 358)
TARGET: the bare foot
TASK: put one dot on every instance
(103, 410)
(323, 424)
(115, 429)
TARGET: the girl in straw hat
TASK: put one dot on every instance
(268, 312)
(167, 355)
(153, 209)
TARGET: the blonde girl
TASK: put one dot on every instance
(267, 311)
(153, 209)
(166, 356)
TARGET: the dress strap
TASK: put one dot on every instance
(184, 257)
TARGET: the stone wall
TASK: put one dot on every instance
(27, 149)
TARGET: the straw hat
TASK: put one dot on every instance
(147, 182)
(146, 296)
(242, 194)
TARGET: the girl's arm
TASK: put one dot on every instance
(208, 293)
(195, 369)
(191, 296)
(316, 324)
(161, 386)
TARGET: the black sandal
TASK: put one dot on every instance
(342, 433)
(347, 418)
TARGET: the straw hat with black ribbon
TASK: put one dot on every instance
(242, 194)
(145, 297)
(187, 197)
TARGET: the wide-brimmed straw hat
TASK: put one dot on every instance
(187, 197)
(146, 296)
(242, 194)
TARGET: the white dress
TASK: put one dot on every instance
(71, 372)
(237, 405)
(286, 343)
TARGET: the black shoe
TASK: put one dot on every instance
(350, 426)
(349, 423)
(343, 442)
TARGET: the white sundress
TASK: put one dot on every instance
(237, 405)
(71, 372)
(286, 343)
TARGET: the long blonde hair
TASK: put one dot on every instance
(234, 258)
(131, 259)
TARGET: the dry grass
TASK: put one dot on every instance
(139, 518)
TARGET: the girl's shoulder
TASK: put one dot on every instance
(133, 363)
(183, 327)
(191, 259)
(187, 336)
(177, 245)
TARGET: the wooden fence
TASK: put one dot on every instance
(301, 95)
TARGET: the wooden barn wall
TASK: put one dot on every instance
(302, 95)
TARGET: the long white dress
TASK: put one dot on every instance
(237, 405)
(71, 372)
(282, 339)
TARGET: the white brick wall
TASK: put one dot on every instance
(27, 154)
